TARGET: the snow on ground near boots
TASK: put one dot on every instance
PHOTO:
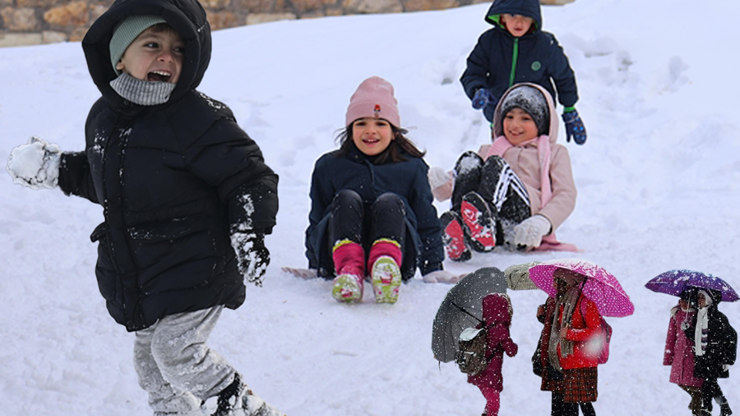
(658, 183)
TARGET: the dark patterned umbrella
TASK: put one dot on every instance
(463, 308)
(673, 282)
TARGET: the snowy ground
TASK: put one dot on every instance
(658, 187)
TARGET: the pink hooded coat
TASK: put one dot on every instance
(524, 160)
(678, 353)
(496, 314)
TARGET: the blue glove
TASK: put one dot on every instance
(574, 127)
(482, 98)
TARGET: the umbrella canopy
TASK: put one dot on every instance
(517, 276)
(673, 282)
(600, 286)
(462, 308)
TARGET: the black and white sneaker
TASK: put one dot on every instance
(238, 400)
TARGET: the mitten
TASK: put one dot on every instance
(251, 255)
(482, 98)
(528, 234)
(517, 276)
(574, 127)
(440, 276)
(35, 165)
(441, 183)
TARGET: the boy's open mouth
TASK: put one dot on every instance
(161, 76)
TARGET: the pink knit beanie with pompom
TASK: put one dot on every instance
(374, 98)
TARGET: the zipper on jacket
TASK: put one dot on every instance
(514, 59)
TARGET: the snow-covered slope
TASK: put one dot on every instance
(658, 184)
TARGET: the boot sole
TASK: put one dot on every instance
(454, 238)
(483, 237)
(386, 280)
(346, 289)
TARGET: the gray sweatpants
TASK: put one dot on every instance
(174, 364)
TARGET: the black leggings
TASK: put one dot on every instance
(709, 390)
(351, 219)
(496, 182)
(560, 408)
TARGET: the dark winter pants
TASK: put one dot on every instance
(176, 367)
(709, 390)
(695, 393)
(496, 182)
(560, 408)
(352, 220)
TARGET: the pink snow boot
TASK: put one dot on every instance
(349, 263)
(385, 262)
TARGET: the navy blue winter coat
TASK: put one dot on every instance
(172, 180)
(500, 60)
(408, 179)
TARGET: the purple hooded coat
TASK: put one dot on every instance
(497, 315)
(678, 353)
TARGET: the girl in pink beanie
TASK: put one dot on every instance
(371, 205)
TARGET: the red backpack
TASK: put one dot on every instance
(599, 344)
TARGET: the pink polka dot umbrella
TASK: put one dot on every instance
(600, 286)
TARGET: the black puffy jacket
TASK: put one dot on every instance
(172, 179)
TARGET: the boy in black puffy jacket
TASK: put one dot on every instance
(187, 200)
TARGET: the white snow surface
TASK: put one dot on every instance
(658, 183)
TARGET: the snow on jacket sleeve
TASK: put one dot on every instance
(428, 226)
(563, 186)
(228, 159)
(75, 177)
(562, 74)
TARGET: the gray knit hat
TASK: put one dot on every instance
(126, 32)
(531, 100)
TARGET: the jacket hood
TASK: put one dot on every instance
(498, 125)
(529, 8)
(497, 308)
(187, 17)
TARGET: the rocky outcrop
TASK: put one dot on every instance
(24, 22)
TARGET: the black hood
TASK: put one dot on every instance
(187, 17)
(528, 8)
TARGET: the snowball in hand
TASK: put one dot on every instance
(35, 165)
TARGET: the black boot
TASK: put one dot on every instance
(230, 398)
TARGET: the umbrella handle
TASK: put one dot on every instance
(466, 312)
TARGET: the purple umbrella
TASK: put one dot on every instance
(600, 286)
(673, 282)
